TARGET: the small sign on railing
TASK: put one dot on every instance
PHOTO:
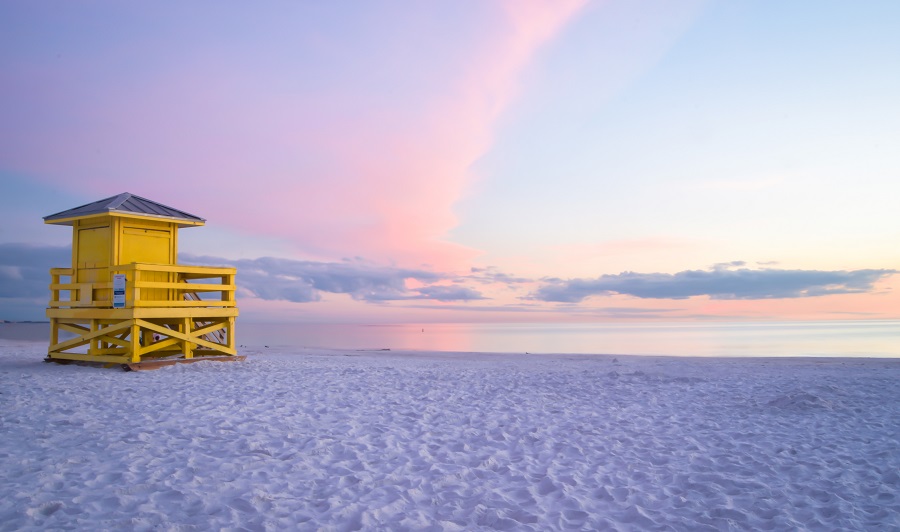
(119, 290)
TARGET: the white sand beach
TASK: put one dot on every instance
(300, 439)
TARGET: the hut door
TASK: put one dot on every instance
(149, 246)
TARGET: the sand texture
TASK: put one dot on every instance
(343, 440)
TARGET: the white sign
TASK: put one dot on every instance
(119, 290)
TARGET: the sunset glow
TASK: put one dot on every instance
(505, 161)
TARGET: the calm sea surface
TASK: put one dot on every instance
(823, 339)
(828, 339)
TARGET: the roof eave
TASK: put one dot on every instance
(70, 220)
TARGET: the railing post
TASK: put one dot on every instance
(173, 294)
(135, 291)
(228, 295)
(54, 292)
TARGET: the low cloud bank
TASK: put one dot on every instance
(492, 275)
(720, 282)
(25, 269)
(24, 273)
(305, 281)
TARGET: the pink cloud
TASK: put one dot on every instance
(370, 165)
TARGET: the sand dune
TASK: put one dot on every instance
(343, 440)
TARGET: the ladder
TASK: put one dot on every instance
(215, 336)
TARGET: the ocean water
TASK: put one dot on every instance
(728, 339)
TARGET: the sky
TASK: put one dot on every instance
(471, 161)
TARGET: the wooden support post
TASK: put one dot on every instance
(95, 343)
(135, 347)
(54, 332)
(186, 345)
(103, 343)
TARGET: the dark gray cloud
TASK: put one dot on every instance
(25, 269)
(305, 281)
(720, 282)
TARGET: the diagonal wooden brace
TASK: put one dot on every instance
(192, 337)
(75, 342)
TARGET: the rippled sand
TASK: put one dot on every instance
(343, 440)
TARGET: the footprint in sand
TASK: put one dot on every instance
(47, 509)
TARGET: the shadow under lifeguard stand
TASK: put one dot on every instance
(126, 300)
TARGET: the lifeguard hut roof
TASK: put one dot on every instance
(125, 204)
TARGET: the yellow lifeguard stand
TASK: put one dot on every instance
(126, 299)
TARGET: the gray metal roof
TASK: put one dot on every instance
(128, 204)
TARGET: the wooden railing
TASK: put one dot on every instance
(147, 285)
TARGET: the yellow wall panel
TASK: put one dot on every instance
(92, 260)
(93, 247)
(145, 245)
